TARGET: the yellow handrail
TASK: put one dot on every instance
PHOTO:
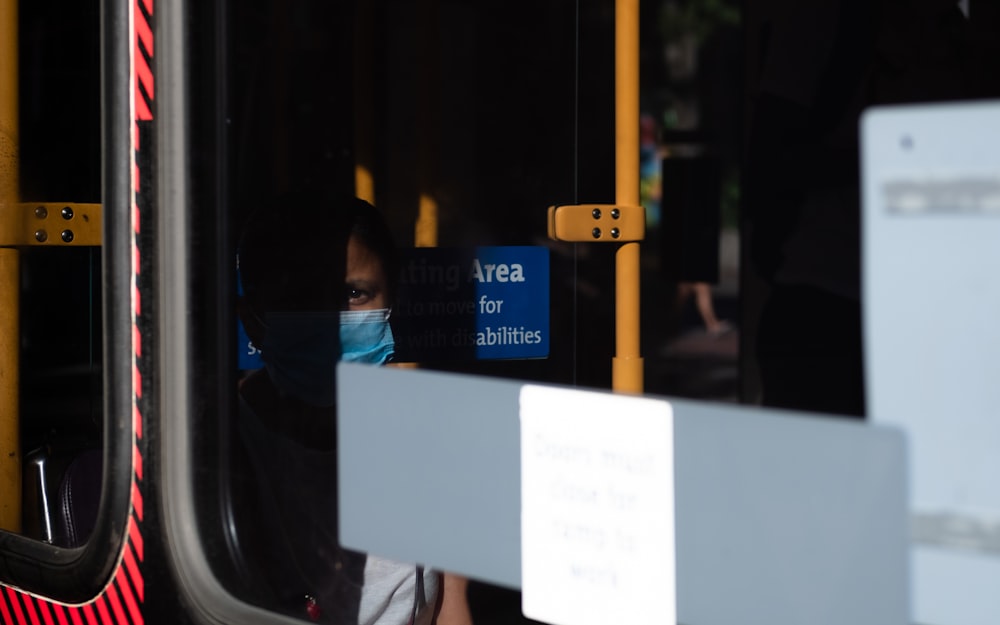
(626, 369)
(10, 452)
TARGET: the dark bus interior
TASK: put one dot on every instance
(499, 110)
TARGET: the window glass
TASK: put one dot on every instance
(66, 352)
(59, 405)
(801, 203)
(461, 123)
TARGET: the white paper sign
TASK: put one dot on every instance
(597, 508)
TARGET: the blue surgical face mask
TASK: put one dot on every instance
(300, 354)
(365, 336)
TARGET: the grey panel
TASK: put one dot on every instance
(786, 518)
(430, 469)
(780, 518)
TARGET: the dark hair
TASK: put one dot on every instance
(292, 253)
(372, 231)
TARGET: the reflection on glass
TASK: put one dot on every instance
(690, 172)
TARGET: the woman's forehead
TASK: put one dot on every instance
(360, 257)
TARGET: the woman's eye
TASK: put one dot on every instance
(357, 296)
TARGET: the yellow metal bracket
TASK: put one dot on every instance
(50, 224)
(597, 223)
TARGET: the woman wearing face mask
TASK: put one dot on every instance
(318, 280)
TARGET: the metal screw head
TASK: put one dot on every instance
(67, 236)
(596, 213)
(615, 213)
(67, 212)
(41, 236)
(41, 212)
(615, 233)
(596, 232)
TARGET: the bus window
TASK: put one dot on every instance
(66, 369)
(181, 370)
(49, 293)
(460, 123)
(460, 136)
(60, 403)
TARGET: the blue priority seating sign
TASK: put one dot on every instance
(481, 303)
(461, 304)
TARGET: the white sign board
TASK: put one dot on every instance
(931, 225)
(597, 508)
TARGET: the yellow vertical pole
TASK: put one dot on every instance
(364, 115)
(10, 452)
(626, 370)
